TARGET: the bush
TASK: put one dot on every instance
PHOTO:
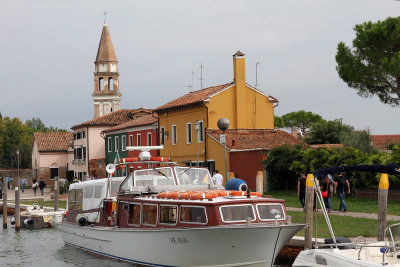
(284, 164)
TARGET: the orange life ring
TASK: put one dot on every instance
(238, 193)
(159, 159)
(255, 194)
(173, 194)
(162, 195)
(125, 160)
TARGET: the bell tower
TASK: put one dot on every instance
(106, 93)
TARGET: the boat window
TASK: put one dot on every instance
(193, 176)
(149, 214)
(268, 212)
(154, 177)
(127, 183)
(88, 191)
(75, 197)
(134, 213)
(114, 188)
(237, 213)
(97, 191)
(393, 235)
(168, 214)
(191, 214)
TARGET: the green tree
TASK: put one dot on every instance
(36, 125)
(328, 132)
(358, 139)
(278, 122)
(372, 66)
(277, 166)
(300, 119)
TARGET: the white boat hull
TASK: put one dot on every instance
(238, 245)
(344, 258)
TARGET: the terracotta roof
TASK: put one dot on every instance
(145, 120)
(381, 141)
(194, 98)
(249, 139)
(326, 145)
(112, 119)
(52, 141)
(106, 49)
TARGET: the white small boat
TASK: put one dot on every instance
(35, 217)
(359, 253)
(168, 215)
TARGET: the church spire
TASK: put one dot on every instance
(106, 52)
(106, 93)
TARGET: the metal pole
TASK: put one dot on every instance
(17, 199)
(197, 137)
(226, 165)
(5, 189)
(56, 190)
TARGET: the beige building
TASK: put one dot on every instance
(50, 155)
(89, 144)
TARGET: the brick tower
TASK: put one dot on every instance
(106, 94)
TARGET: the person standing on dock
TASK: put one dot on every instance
(217, 178)
(42, 185)
(23, 183)
(343, 187)
(301, 188)
(35, 186)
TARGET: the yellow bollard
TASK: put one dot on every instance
(382, 205)
(309, 211)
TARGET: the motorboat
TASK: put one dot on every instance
(360, 252)
(37, 217)
(171, 215)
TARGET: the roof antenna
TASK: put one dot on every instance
(105, 17)
(201, 76)
(258, 62)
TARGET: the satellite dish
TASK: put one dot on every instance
(110, 168)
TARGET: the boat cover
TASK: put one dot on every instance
(389, 169)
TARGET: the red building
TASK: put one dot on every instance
(247, 148)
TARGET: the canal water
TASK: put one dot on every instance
(44, 248)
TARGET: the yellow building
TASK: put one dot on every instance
(243, 105)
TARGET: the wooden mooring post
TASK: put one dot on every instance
(382, 205)
(56, 186)
(260, 182)
(309, 212)
(5, 189)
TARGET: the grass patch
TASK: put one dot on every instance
(353, 204)
(345, 226)
(49, 203)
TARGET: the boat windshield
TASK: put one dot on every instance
(394, 235)
(193, 176)
(153, 177)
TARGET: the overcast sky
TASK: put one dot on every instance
(48, 48)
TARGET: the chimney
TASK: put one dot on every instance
(240, 90)
(239, 71)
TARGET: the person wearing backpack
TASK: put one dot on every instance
(343, 187)
(301, 188)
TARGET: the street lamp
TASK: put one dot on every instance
(197, 128)
(17, 199)
(223, 125)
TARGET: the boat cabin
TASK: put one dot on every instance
(167, 196)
